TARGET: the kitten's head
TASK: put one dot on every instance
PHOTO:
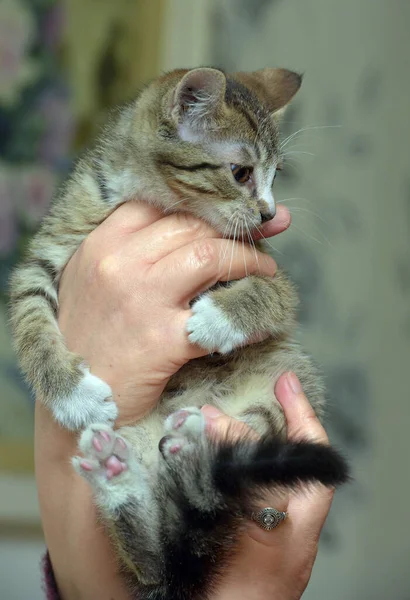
(218, 148)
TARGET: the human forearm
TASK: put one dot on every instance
(83, 562)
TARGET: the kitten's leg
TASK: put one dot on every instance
(199, 535)
(184, 449)
(62, 381)
(123, 492)
(247, 310)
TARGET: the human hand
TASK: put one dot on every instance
(277, 564)
(124, 301)
(124, 296)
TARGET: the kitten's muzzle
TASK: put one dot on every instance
(267, 215)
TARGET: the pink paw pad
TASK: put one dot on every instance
(114, 467)
(179, 418)
(87, 465)
(170, 445)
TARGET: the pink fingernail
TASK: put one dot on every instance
(211, 412)
(294, 383)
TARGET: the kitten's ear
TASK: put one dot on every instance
(198, 96)
(275, 87)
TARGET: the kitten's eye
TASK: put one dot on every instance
(241, 174)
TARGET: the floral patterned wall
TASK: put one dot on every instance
(63, 64)
(36, 131)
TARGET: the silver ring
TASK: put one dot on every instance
(268, 518)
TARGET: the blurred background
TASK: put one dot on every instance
(63, 63)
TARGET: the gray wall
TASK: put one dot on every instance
(349, 252)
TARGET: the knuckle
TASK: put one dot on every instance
(204, 252)
(193, 224)
(268, 262)
(107, 268)
(309, 415)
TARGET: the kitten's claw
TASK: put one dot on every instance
(90, 402)
(211, 329)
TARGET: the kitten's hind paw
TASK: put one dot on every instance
(184, 430)
(211, 329)
(187, 421)
(90, 402)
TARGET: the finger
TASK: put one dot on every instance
(224, 427)
(309, 508)
(279, 223)
(198, 266)
(301, 419)
(164, 236)
(130, 217)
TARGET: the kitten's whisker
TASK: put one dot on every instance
(297, 146)
(168, 208)
(243, 251)
(233, 249)
(311, 237)
(231, 224)
(308, 210)
(227, 236)
(228, 229)
(267, 241)
(323, 237)
(298, 152)
(292, 162)
(291, 199)
(253, 245)
(303, 129)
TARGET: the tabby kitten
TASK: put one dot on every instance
(175, 501)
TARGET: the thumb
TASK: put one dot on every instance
(223, 426)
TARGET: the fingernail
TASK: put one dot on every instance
(211, 412)
(294, 383)
(283, 218)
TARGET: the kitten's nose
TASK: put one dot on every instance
(267, 215)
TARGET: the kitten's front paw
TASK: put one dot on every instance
(90, 402)
(211, 329)
(105, 454)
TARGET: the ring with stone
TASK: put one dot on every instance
(268, 518)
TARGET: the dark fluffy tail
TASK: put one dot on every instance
(241, 466)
